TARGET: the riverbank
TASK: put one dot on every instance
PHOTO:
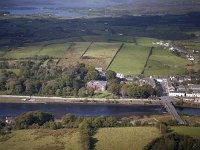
(39, 99)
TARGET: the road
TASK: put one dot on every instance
(167, 103)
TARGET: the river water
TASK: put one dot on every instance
(58, 109)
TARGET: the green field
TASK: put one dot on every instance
(190, 131)
(23, 52)
(79, 48)
(130, 138)
(43, 139)
(163, 62)
(55, 50)
(103, 50)
(145, 41)
(100, 54)
(130, 59)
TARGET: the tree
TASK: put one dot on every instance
(30, 87)
(82, 92)
(110, 75)
(35, 117)
(92, 74)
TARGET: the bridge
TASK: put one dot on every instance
(167, 103)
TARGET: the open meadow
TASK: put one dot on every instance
(100, 54)
(130, 59)
(190, 131)
(55, 50)
(163, 62)
(23, 52)
(45, 139)
(125, 138)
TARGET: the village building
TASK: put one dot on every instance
(192, 94)
(194, 87)
(181, 88)
(120, 76)
(150, 81)
(97, 86)
(175, 94)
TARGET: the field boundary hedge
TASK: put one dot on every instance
(86, 50)
(149, 55)
(122, 45)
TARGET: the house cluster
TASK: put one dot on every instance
(190, 90)
(167, 45)
(101, 86)
(171, 86)
(190, 57)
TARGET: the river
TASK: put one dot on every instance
(58, 109)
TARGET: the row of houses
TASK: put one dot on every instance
(184, 94)
(190, 90)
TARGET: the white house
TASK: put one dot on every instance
(192, 94)
(174, 94)
(121, 76)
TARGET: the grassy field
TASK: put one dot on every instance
(73, 54)
(45, 139)
(125, 138)
(130, 59)
(103, 50)
(100, 54)
(163, 62)
(55, 50)
(145, 41)
(190, 131)
(23, 52)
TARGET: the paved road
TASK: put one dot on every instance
(167, 102)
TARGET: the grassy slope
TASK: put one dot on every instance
(125, 138)
(23, 52)
(191, 131)
(163, 62)
(130, 60)
(55, 50)
(63, 139)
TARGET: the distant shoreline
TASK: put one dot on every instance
(40, 99)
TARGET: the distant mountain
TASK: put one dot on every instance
(63, 3)
(119, 7)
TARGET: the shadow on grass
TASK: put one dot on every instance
(93, 142)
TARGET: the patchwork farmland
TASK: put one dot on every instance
(126, 58)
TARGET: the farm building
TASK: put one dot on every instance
(98, 86)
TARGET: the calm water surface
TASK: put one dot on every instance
(13, 109)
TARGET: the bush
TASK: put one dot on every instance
(35, 117)
(162, 127)
(174, 142)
